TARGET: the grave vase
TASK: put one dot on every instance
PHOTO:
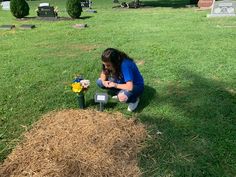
(81, 100)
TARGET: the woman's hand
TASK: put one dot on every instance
(112, 84)
(127, 86)
(106, 84)
(109, 84)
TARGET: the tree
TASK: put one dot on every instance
(19, 8)
(74, 8)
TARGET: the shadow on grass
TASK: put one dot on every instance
(85, 17)
(197, 135)
(26, 18)
(162, 3)
(60, 18)
(148, 95)
(165, 3)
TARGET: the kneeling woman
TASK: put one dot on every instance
(121, 76)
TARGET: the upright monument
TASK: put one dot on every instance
(205, 4)
(225, 8)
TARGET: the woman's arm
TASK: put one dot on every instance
(103, 76)
(104, 79)
(127, 86)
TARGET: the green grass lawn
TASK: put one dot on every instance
(188, 62)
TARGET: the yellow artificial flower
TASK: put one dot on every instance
(76, 87)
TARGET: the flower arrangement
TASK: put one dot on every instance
(80, 85)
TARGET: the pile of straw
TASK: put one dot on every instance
(78, 143)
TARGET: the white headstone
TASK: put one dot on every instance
(223, 9)
(5, 5)
(44, 4)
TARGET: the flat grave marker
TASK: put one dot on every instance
(27, 26)
(80, 26)
(7, 27)
(91, 11)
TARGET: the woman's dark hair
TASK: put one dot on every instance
(115, 57)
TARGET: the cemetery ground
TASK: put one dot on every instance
(187, 60)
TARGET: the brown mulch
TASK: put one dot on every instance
(84, 143)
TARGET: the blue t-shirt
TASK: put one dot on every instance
(130, 72)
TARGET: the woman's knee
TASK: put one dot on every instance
(122, 97)
(99, 83)
(127, 96)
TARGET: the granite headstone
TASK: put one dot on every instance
(5, 5)
(224, 8)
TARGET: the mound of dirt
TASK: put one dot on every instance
(78, 143)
